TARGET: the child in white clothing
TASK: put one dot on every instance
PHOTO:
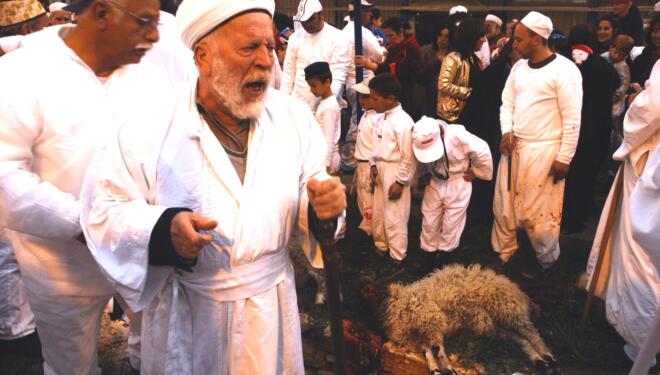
(363, 153)
(328, 112)
(453, 157)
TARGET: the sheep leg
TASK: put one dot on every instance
(445, 364)
(525, 345)
(529, 332)
(434, 369)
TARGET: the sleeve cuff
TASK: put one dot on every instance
(161, 248)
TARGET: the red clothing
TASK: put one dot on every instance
(404, 61)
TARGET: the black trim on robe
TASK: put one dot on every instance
(161, 248)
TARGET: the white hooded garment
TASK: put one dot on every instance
(632, 285)
(237, 311)
(329, 45)
(50, 126)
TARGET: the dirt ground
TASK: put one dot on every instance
(594, 348)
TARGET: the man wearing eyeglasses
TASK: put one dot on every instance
(47, 139)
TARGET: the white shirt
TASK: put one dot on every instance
(393, 142)
(371, 48)
(328, 115)
(464, 150)
(50, 127)
(365, 135)
(544, 104)
(329, 45)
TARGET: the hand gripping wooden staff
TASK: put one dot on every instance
(331, 260)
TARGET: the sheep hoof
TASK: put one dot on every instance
(435, 372)
(547, 366)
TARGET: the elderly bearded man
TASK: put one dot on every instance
(46, 142)
(190, 218)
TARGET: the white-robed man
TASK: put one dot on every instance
(540, 119)
(189, 218)
(314, 41)
(629, 282)
(46, 142)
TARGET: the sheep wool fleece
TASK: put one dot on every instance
(541, 105)
(395, 162)
(445, 202)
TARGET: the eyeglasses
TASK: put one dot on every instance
(145, 23)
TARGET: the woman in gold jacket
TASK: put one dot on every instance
(460, 71)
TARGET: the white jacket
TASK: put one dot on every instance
(50, 126)
(392, 143)
(329, 45)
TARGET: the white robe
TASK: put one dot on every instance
(50, 126)
(329, 45)
(632, 291)
(445, 202)
(237, 311)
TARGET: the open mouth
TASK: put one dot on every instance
(255, 88)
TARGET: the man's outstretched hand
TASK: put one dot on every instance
(187, 240)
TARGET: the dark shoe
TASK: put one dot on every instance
(424, 264)
(391, 268)
(29, 345)
(380, 253)
(498, 266)
(443, 258)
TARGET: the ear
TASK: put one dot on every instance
(25, 29)
(203, 57)
(100, 13)
(391, 98)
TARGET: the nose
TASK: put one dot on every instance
(153, 35)
(264, 57)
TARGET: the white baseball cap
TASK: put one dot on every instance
(306, 9)
(538, 23)
(457, 9)
(427, 144)
(494, 18)
(362, 87)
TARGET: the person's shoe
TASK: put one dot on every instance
(443, 258)
(28, 345)
(391, 268)
(380, 253)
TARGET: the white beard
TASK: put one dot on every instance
(227, 87)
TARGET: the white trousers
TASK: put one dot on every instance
(365, 195)
(534, 202)
(444, 209)
(16, 318)
(68, 329)
(390, 217)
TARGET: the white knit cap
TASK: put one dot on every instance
(56, 6)
(495, 19)
(196, 18)
(306, 9)
(538, 23)
(457, 9)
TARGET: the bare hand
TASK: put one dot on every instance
(636, 88)
(395, 191)
(469, 175)
(328, 197)
(187, 240)
(507, 143)
(361, 61)
(374, 175)
(558, 171)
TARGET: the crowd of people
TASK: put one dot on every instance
(188, 148)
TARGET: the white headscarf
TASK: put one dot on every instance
(196, 18)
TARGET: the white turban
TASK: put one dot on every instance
(196, 18)
(495, 19)
(538, 23)
(56, 6)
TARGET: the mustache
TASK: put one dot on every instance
(262, 76)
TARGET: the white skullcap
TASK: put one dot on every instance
(56, 6)
(538, 23)
(196, 18)
(495, 19)
(457, 9)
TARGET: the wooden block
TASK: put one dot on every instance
(397, 360)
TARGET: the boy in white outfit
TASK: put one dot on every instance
(453, 157)
(328, 112)
(363, 153)
(392, 169)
